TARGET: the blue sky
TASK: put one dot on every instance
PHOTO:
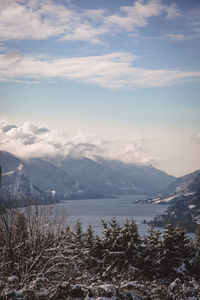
(119, 73)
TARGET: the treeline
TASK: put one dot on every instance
(41, 260)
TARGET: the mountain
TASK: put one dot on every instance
(185, 212)
(148, 179)
(52, 179)
(9, 162)
(184, 199)
(182, 186)
(195, 184)
(17, 189)
(80, 177)
(98, 178)
(54, 183)
(114, 177)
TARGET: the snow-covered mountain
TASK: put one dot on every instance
(16, 187)
(81, 177)
(113, 177)
(9, 162)
(185, 211)
(184, 199)
(51, 181)
(148, 179)
(182, 186)
(98, 178)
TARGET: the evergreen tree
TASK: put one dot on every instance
(106, 235)
(130, 238)
(97, 249)
(175, 250)
(195, 253)
(89, 237)
(78, 233)
(131, 244)
(114, 240)
(151, 252)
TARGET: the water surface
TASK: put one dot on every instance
(92, 211)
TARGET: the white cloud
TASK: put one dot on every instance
(173, 12)
(29, 20)
(138, 15)
(193, 18)
(30, 140)
(42, 19)
(176, 37)
(85, 32)
(133, 17)
(112, 71)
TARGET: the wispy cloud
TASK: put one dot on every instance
(131, 18)
(35, 19)
(177, 37)
(113, 71)
(29, 140)
(193, 18)
(42, 19)
(85, 32)
(173, 12)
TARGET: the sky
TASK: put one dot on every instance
(117, 78)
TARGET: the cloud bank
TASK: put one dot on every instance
(42, 19)
(31, 140)
(113, 71)
(63, 21)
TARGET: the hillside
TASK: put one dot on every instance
(18, 189)
(75, 178)
(36, 178)
(185, 212)
(183, 196)
(181, 187)
(115, 177)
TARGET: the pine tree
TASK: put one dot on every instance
(195, 255)
(151, 252)
(97, 249)
(89, 237)
(106, 235)
(78, 233)
(175, 250)
(114, 241)
(131, 244)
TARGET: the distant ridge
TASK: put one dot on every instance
(184, 203)
(115, 177)
(80, 177)
(182, 186)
